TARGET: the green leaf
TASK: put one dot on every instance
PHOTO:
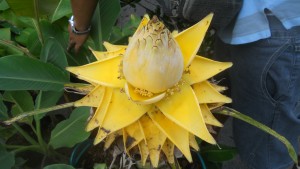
(11, 18)
(5, 33)
(28, 8)
(22, 101)
(24, 36)
(109, 12)
(7, 159)
(54, 31)
(71, 131)
(59, 166)
(3, 5)
(22, 8)
(96, 32)
(23, 73)
(62, 10)
(53, 53)
(104, 18)
(216, 154)
(11, 48)
(100, 166)
(34, 44)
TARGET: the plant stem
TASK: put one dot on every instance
(14, 146)
(25, 135)
(37, 18)
(36, 112)
(35, 148)
(38, 124)
(233, 113)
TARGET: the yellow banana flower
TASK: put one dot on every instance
(154, 91)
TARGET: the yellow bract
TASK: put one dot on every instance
(154, 92)
(153, 60)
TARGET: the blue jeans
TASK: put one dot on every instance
(265, 85)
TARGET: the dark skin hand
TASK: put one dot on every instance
(83, 12)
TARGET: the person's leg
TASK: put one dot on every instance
(265, 84)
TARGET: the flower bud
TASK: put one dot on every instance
(153, 60)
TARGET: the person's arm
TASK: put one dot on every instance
(82, 12)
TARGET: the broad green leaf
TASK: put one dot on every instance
(109, 12)
(53, 53)
(5, 34)
(22, 102)
(22, 21)
(59, 166)
(104, 18)
(71, 131)
(61, 10)
(7, 159)
(22, 8)
(100, 166)
(31, 8)
(3, 5)
(216, 154)
(23, 73)
(34, 44)
(54, 31)
(96, 32)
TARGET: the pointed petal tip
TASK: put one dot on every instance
(90, 48)
(229, 100)
(71, 69)
(88, 128)
(211, 141)
(146, 16)
(229, 64)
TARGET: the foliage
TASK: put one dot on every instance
(33, 57)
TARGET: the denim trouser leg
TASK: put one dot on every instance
(265, 84)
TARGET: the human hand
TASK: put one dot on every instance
(76, 40)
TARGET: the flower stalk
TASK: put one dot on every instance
(233, 113)
(36, 112)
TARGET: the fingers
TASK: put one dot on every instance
(70, 46)
(76, 42)
(77, 48)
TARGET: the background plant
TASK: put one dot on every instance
(33, 57)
